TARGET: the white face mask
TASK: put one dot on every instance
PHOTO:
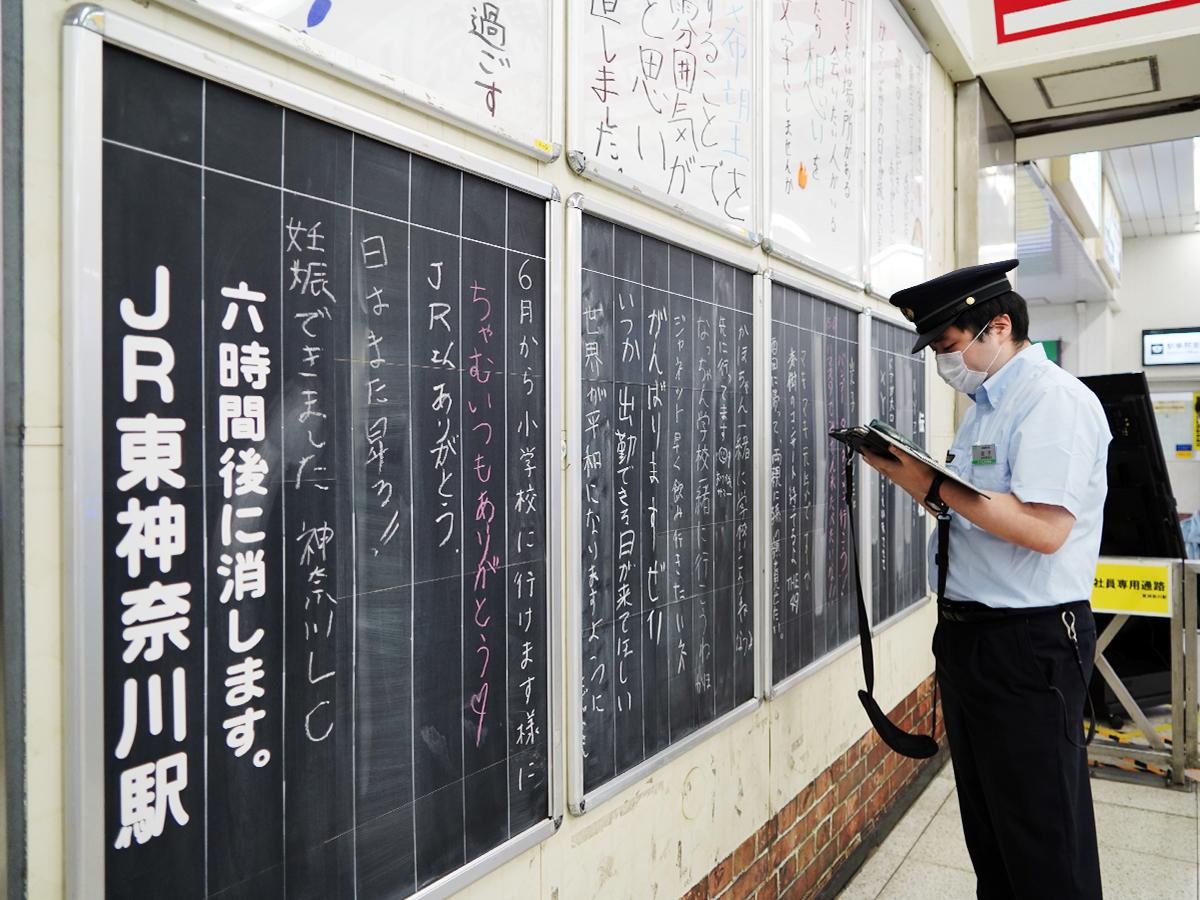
(955, 372)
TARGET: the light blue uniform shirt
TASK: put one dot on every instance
(1049, 438)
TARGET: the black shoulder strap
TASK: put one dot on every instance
(917, 746)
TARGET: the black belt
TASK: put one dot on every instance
(970, 612)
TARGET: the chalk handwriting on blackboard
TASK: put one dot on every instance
(325, 530)
(666, 577)
(899, 542)
(814, 378)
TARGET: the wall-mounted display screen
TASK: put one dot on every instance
(1171, 347)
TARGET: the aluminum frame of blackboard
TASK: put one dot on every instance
(763, 462)
(298, 46)
(868, 511)
(579, 801)
(773, 248)
(589, 168)
(86, 29)
(927, 86)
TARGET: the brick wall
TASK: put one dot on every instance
(797, 853)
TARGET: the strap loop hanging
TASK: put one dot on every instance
(917, 746)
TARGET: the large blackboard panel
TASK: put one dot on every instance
(324, 408)
(898, 538)
(666, 495)
(813, 364)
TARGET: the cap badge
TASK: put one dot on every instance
(970, 301)
(908, 313)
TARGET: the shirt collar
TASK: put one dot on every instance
(992, 391)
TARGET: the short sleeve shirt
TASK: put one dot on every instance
(1039, 433)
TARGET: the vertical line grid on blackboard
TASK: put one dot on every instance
(412, 536)
(209, 701)
(507, 580)
(353, 569)
(294, 193)
(732, 494)
(283, 567)
(695, 466)
(204, 458)
(827, 491)
(641, 272)
(694, 632)
(462, 518)
(283, 531)
(888, 343)
(613, 500)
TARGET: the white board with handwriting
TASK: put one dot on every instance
(898, 172)
(815, 157)
(662, 104)
(486, 65)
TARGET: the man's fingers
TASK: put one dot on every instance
(877, 462)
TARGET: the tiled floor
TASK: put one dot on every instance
(1149, 846)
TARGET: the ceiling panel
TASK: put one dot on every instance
(1163, 156)
(1153, 187)
(1118, 164)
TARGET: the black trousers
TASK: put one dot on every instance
(1013, 703)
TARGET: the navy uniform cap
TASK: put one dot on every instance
(934, 305)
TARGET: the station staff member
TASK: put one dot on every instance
(1015, 638)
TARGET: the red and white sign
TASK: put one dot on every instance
(1020, 19)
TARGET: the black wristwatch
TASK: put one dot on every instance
(933, 500)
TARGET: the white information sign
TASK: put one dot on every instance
(898, 172)
(1171, 347)
(814, 178)
(662, 104)
(483, 64)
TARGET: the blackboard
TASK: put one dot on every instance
(666, 506)
(898, 535)
(813, 364)
(321, 373)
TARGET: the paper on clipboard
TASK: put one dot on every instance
(880, 437)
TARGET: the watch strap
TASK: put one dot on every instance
(933, 499)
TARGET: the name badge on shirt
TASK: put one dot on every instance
(983, 455)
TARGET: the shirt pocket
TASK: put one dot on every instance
(983, 472)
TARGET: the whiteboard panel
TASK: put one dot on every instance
(899, 153)
(483, 65)
(663, 104)
(815, 134)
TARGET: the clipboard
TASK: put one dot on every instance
(882, 439)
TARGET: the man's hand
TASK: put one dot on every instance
(1035, 526)
(909, 473)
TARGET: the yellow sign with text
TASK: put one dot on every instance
(1137, 589)
(1196, 423)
